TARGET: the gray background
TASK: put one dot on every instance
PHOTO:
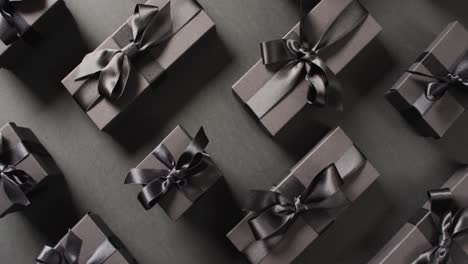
(198, 92)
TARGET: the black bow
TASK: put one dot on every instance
(457, 78)
(12, 25)
(68, 252)
(157, 182)
(150, 26)
(274, 213)
(452, 224)
(14, 182)
(300, 59)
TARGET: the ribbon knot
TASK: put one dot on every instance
(157, 182)
(131, 50)
(12, 25)
(299, 207)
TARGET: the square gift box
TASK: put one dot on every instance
(421, 233)
(172, 176)
(23, 23)
(432, 105)
(335, 58)
(335, 159)
(24, 166)
(135, 56)
(89, 241)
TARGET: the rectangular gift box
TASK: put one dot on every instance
(414, 237)
(336, 59)
(93, 232)
(39, 166)
(36, 14)
(148, 68)
(175, 203)
(335, 148)
(432, 119)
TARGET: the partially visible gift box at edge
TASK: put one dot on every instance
(437, 233)
(285, 220)
(292, 74)
(433, 94)
(25, 166)
(24, 25)
(134, 57)
(89, 241)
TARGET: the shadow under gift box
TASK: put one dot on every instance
(336, 58)
(415, 237)
(175, 203)
(432, 119)
(335, 148)
(38, 14)
(148, 67)
(39, 166)
(94, 233)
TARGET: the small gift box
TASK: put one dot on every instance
(24, 166)
(88, 242)
(433, 93)
(437, 233)
(154, 38)
(21, 22)
(282, 222)
(176, 173)
(300, 69)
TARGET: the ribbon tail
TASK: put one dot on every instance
(151, 193)
(102, 253)
(282, 83)
(14, 192)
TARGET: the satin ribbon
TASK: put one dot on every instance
(444, 80)
(68, 252)
(12, 25)
(300, 60)
(192, 164)
(274, 213)
(151, 26)
(14, 182)
(452, 225)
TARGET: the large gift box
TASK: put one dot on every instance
(282, 222)
(176, 173)
(113, 76)
(24, 166)
(433, 95)
(439, 227)
(90, 241)
(22, 24)
(299, 69)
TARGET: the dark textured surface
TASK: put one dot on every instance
(199, 93)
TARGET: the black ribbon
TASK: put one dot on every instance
(151, 26)
(452, 225)
(442, 78)
(300, 58)
(12, 25)
(192, 164)
(14, 182)
(68, 252)
(274, 212)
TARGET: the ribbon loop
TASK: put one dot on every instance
(156, 183)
